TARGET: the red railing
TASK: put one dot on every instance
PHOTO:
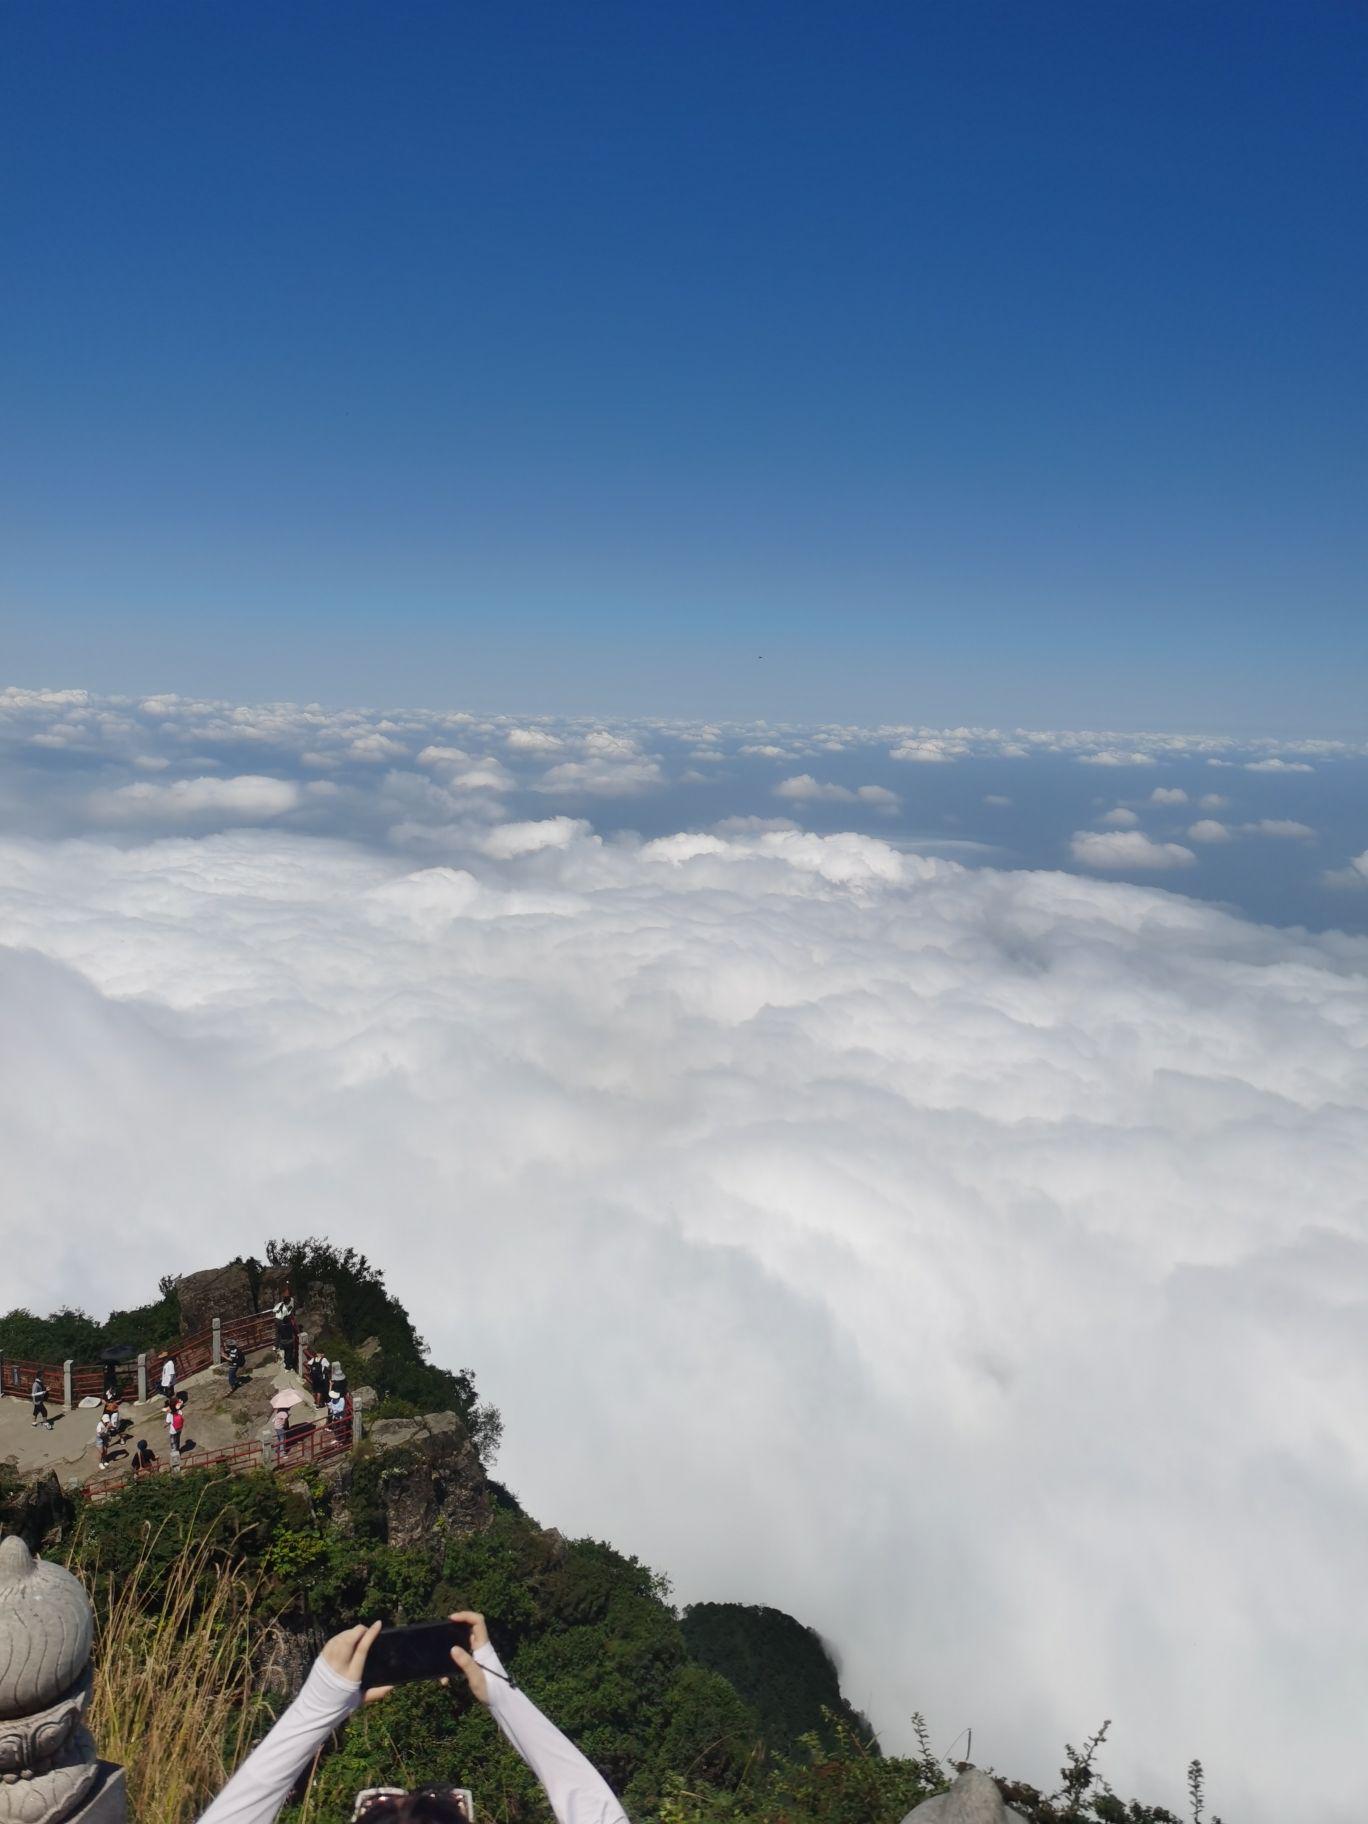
(191, 1354)
(310, 1444)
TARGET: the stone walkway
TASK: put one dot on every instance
(214, 1418)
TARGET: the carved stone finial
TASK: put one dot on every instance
(48, 1764)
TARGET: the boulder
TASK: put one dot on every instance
(214, 1292)
(369, 1349)
(365, 1398)
(973, 1799)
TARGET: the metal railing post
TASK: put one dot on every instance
(66, 1386)
(142, 1380)
(216, 1347)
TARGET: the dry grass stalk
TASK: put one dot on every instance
(177, 1681)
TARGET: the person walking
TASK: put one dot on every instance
(280, 1420)
(111, 1383)
(318, 1377)
(105, 1431)
(176, 1427)
(168, 1378)
(38, 1394)
(576, 1790)
(234, 1365)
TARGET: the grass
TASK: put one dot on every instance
(177, 1681)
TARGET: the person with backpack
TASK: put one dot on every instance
(38, 1394)
(144, 1458)
(235, 1364)
(576, 1790)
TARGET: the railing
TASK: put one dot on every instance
(192, 1354)
(309, 1445)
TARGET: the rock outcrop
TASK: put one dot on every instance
(973, 1799)
(423, 1475)
(216, 1292)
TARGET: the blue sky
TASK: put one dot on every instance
(978, 363)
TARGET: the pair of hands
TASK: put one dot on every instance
(346, 1653)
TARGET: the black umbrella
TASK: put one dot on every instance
(119, 1352)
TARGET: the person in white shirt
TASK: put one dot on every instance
(168, 1377)
(578, 1793)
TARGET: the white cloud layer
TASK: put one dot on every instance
(1018, 1218)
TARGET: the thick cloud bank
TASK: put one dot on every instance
(971, 1262)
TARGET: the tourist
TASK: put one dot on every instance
(176, 1427)
(578, 1793)
(111, 1383)
(144, 1458)
(105, 1431)
(168, 1378)
(337, 1412)
(285, 1329)
(38, 1394)
(235, 1363)
(318, 1376)
(280, 1420)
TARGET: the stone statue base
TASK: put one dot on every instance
(107, 1801)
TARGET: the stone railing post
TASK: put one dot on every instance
(50, 1772)
(142, 1380)
(216, 1347)
(67, 1400)
(2, 1372)
(358, 1424)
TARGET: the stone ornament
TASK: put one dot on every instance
(48, 1762)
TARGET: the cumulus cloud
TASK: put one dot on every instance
(997, 800)
(250, 797)
(1279, 826)
(1168, 794)
(1212, 801)
(963, 1167)
(534, 741)
(929, 751)
(1209, 830)
(1120, 818)
(1110, 756)
(1123, 850)
(1276, 765)
(806, 789)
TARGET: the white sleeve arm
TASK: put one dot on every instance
(262, 1784)
(578, 1792)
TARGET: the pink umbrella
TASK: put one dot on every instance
(287, 1397)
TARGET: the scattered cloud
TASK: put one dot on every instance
(997, 800)
(1275, 765)
(1121, 818)
(1213, 801)
(250, 797)
(1208, 830)
(1111, 756)
(804, 788)
(1124, 850)
(1279, 826)
(1168, 794)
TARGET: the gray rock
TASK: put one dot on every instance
(215, 1292)
(973, 1799)
(369, 1349)
(365, 1398)
(431, 1481)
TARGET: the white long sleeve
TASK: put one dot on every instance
(262, 1784)
(578, 1792)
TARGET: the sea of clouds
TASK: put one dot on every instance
(970, 1261)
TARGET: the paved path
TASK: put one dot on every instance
(214, 1418)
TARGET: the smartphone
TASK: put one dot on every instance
(400, 1656)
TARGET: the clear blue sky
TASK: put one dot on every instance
(969, 361)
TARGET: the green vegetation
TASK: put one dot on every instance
(401, 1373)
(73, 1335)
(780, 1668)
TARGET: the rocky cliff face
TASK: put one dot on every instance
(418, 1479)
